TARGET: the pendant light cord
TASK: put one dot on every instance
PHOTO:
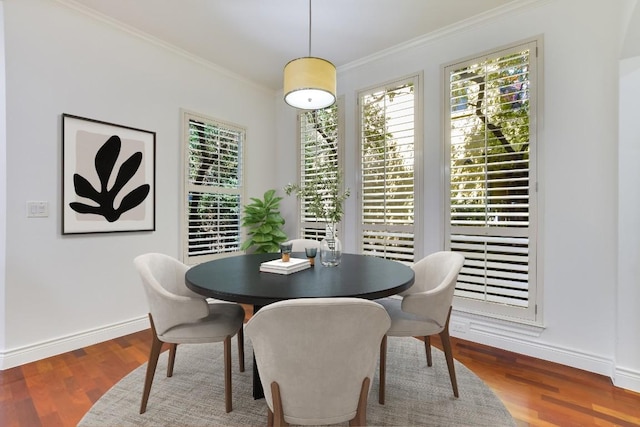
(309, 28)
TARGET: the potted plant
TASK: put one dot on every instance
(326, 198)
(263, 219)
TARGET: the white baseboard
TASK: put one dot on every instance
(524, 339)
(520, 339)
(627, 379)
(30, 353)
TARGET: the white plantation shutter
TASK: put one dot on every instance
(319, 144)
(387, 156)
(213, 188)
(491, 156)
(496, 269)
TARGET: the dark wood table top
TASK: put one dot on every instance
(239, 279)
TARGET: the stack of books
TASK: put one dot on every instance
(278, 267)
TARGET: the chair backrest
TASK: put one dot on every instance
(299, 245)
(170, 301)
(437, 275)
(319, 351)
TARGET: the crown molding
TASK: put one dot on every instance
(160, 43)
(464, 25)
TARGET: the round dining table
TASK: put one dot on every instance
(239, 279)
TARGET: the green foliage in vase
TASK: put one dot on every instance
(263, 219)
(324, 194)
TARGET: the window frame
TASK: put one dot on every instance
(418, 140)
(187, 187)
(533, 313)
(320, 226)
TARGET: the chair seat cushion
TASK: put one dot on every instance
(405, 324)
(223, 320)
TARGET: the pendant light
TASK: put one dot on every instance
(309, 82)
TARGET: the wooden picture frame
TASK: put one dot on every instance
(108, 177)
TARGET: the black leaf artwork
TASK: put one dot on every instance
(105, 161)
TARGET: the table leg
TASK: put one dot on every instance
(258, 392)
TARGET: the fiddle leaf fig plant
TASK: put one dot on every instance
(264, 223)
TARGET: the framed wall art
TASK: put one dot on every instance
(108, 182)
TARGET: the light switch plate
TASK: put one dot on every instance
(37, 209)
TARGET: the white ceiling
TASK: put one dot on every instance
(256, 38)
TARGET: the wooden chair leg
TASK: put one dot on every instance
(278, 414)
(427, 349)
(448, 353)
(227, 374)
(383, 369)
(361, 414)
(241, 347)
(172, 359)
(156, 346)
(269, 417)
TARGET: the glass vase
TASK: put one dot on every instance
(330, 249)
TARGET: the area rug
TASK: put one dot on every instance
(416, 394)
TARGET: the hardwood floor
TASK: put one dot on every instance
(59, 390)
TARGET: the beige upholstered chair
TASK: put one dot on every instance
(180, 316)
(425, 309)
(317, 357)
(299, 245)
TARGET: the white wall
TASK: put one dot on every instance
(287, 153)
(628, 315)
(63, 292)
(3, 179)
(578, 175)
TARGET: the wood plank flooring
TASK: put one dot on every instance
(59, 390)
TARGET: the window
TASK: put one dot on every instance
(388, 147)
(319, 155)
(490, 141)
(212, 187)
